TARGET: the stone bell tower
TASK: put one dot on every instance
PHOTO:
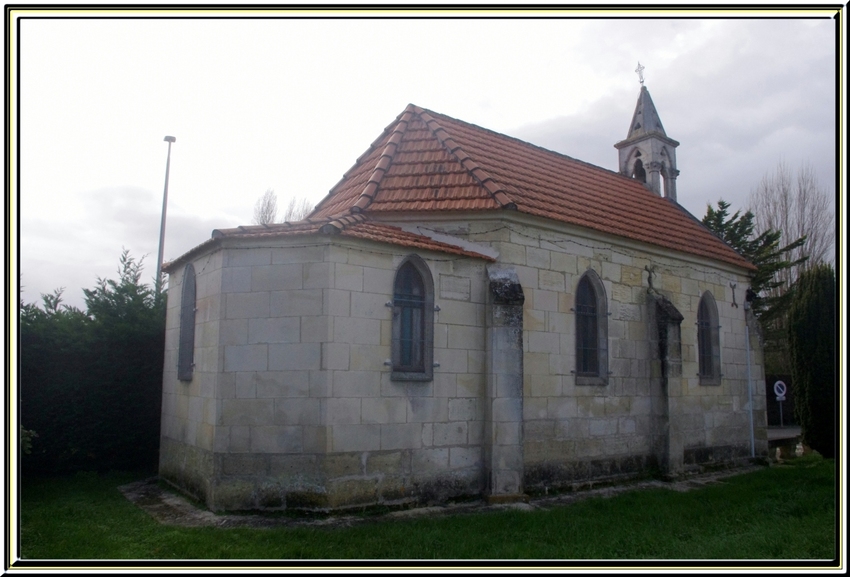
(648, 154)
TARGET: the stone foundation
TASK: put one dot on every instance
(272, 482)
(559, 476)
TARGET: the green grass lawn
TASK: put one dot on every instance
(781, 512)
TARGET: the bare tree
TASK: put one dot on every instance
(298, 209)
(796, 205)
(265, 210)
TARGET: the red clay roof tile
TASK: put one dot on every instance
(444, 164)
(356, 226)
(350, 225)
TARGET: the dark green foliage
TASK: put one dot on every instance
(768, 295)
(763, 251)
(812, 336)
(91, 382)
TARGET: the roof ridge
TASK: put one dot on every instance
(360, 158)
(338, 223)
(479, 174)
(384, 162)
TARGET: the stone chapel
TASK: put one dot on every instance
(464, 314)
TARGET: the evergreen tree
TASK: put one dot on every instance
(768, 295)
(91, 382)
(763, 251)
(812, 336)
(54, 356)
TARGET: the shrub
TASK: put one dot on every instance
(812, 336)
(91, 382)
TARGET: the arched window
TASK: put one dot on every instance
(186, 346)
(639, 172)
(708, 340)
(413, 322)
(591, 310)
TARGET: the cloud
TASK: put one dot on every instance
(75, 254)
(290, 106)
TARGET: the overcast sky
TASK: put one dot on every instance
(289, 104)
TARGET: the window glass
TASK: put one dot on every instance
(587, 337)
(410, 299)
(413, 322)
(708, 341)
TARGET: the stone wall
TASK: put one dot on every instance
(300, 405)
(577, 433)
(190, 408)
(292, 404)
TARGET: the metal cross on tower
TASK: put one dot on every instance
(639, 71)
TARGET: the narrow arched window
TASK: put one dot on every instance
(413, 321)
(186, 346)
(708, 340)
(639, 171)
(591, 331)
(587, 338)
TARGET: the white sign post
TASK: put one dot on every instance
(780, 389)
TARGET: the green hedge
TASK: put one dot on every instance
(91, 382)
(812, 328)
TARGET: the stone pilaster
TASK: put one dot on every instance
(653, 179)
(667, 383)
(670, 184)
(503, 458)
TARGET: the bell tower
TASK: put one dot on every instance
(648, 154)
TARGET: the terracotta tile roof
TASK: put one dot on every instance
(429, 162)
(349, 225)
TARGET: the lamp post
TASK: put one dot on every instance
(169, 140)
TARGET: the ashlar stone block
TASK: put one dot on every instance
(348, 277)
(384, 410)
(276, 439)
(427, 410)
(246, 305)
(236, 279)
(537, 258)
(356, 438)
(344, 411)
(550, 280)
(463, 409)
(295, 303)
(246, 412)
(357, 331)
(561, 407)
(297, 411)
(241, 358)
(371, 305)
(563, 262)
(429, 462)
(248, 258)
(300, 254)
(294, 356)
(274, 330)
(286, 384)
(401, 436)
(465, 337)
(463, 457)
(362, 384)
(277, 277)
(317, 275)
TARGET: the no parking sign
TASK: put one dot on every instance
(780, 389)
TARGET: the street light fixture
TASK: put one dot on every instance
(169, 140)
